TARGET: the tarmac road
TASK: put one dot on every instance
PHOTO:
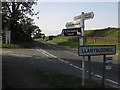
(18, 65)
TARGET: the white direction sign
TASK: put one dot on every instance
(77, 17)
(70, 25)
(97, 50)
(86, 16)
(89, 15)
(77, 24)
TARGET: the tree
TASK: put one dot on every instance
(28, 26)
(37, 33)
(14, 18)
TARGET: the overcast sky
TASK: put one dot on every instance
(54, 15)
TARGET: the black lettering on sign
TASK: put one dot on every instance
(71, 32)
(97, 50)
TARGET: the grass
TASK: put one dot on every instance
(107, 32)
(73, 42)
(110, 33)
(65, 41)
(59, 80)
(0, 42)
(103, 43)
(19, 45)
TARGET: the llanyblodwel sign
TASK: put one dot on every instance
(97, 50)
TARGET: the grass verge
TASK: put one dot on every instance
(19, 45)
(103, 43)
(65, 41)
(73, 42)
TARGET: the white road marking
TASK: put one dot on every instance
(6, 51)
(112, 81)
(77, 67)
(20, 55)
(65, 61)
(42, 52)
(105, 79)
(45, 54)
(61, 60)
(71, 53)
(98, 76)
(48, 54)
(71, 64)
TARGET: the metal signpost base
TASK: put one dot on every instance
(103, 75)
(83, 60)
(89, 63)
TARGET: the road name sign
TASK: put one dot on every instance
(97, 50)
(71, 32)
(86, 16)
(108, 63)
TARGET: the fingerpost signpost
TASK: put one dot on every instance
(77, 28)
(81, 18)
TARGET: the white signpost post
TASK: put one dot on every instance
(80, 20)
(8, 37)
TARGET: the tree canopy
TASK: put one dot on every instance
(15, 18)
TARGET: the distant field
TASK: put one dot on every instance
(108, 36)
(108, 32)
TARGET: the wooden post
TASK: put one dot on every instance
(103, 74)
(89, 63)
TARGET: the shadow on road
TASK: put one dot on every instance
(18, 72)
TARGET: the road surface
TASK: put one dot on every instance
(18, 65)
